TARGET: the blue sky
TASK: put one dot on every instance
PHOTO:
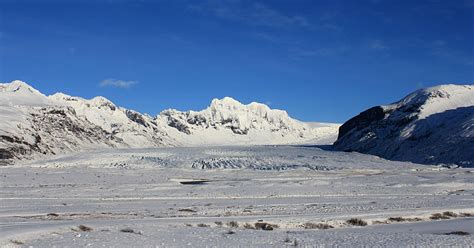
(319, 60)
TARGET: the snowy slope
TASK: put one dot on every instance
(33, 124)
(432, 125)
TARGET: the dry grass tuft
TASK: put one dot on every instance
(233, 224)
(16, 242)
(248, 226)
(438, 216)
(310, 225)
(450, 214)
(356, 222)
(265, 226)
(85, 228)
(396, 219)
(130, 230)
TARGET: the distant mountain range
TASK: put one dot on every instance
(431, 126)
(34, 125)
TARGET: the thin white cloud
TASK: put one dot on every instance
(320, 52)
(256, 14)
(117, 83)
(378, 45)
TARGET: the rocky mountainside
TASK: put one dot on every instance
(432, 126)
(33, 124)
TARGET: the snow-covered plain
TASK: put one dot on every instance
(133, 198)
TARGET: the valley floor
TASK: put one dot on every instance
(134, 198)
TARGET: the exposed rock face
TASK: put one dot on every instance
(362, 120)
(432, 126)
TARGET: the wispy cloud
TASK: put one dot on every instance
(320, 52)
(441, 49)
(378, 45)
(256, 14)
(117, 83)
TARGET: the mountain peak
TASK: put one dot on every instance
(20, 93)
(226, 102)
(437, 99)
(229, 103)
(17, 86)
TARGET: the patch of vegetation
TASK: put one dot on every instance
(450, 214)
(438, 216)
(202, 225)
(265, 226)
(52, 215)
(85, 228)
(218, 223)
(310, 225)
(396, 219)
(248, 226)
(130, 230)
(233, 224)
(466, 214)
(356, 222)
(16, 242)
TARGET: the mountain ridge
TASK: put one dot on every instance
(36, 123)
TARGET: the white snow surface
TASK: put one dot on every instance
(138, 190)
(438, 99)
(32, 123)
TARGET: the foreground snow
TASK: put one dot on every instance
(133, 198)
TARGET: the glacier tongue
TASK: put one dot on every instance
(35, 124)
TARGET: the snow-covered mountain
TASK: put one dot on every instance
(227, 121)
(433, 125)
(33, 124)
